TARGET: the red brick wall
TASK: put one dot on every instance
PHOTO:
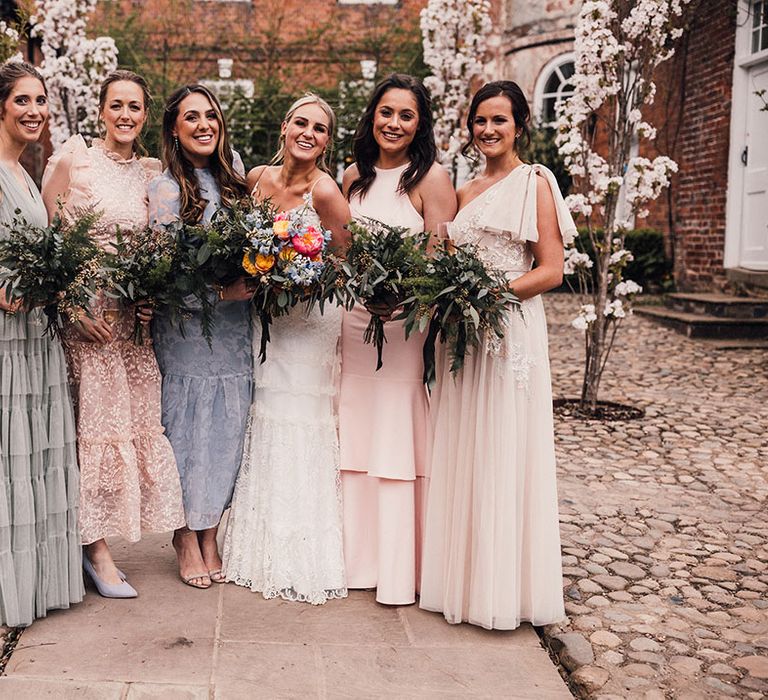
(702, 183)
(306, 41)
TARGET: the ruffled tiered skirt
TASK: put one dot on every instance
(128, 477)
(40, 555)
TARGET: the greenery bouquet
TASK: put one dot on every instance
(380, 262)
(460, 300)
(57, 267)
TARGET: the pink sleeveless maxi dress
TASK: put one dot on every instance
(383, 431)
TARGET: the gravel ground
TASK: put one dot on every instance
(664, 520)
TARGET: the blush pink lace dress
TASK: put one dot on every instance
(128, 476)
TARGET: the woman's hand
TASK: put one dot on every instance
(237, 291)
(12, 306)
(94, 330)
(144, 312)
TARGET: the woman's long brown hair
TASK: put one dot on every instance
(231, 184)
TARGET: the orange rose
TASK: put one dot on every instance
(248, 266)
(280, 228)
(264, 263)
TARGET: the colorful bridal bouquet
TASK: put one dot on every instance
(282, 254)
(152, 266)
(380, 261)
(57, 267)
(460, 300)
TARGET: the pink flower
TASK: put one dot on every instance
(309, 242)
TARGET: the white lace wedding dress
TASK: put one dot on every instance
(284, 535)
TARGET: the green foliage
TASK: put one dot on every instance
(650, 267)
(543, 149)
(460, 300)
(380, 259)
(57, 267)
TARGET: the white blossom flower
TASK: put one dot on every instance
(614, 308)
(574, 259)
(73, 66)
(455, 42)
(627, 288)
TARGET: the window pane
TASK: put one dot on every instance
(757, 11)
(548, 111)
(567, 69)
(553, 83)
(764, 44)
(567, 90)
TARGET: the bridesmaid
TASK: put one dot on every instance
(206, 391)
(492, 543)
(383, 416)
(128, 477)
(40, 555)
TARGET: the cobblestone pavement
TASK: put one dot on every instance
(664, 520)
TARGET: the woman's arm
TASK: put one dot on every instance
(438, 198)
(333, 211)
(56, 181)
(548, 251)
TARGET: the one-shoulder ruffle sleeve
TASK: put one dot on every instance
(513, 208)
(67, 177)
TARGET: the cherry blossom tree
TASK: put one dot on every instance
(618, 45)
(10, 36)
(73, 66)
(455, 41)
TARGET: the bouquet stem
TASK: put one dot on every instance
(374, 333)
(266, 319)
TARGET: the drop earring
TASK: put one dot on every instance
(176, 142)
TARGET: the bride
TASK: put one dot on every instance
(284, 535)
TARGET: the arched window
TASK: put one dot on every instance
(554, 84)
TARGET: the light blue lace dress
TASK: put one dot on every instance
(40, 556)
(206, 390)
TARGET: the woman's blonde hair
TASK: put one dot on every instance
(322, 161)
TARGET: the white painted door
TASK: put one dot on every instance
(754, 234)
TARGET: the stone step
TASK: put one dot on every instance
(696, 325)
(720, 305)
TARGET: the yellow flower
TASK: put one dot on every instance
(287, 254)
(248, 266)
(264, 263)
(280, 228)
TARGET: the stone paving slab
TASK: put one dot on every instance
(228, 643)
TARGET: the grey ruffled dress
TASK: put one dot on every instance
(40, 553)
(206, 391)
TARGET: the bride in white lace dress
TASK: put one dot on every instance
(284, 535)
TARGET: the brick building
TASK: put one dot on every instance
(709, 118)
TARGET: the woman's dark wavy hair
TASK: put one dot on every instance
(422, 151)
(520, 111)
(231, 185)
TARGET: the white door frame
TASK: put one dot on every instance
(743, 61)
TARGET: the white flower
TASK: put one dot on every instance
(614, 308)
(579, 323)
(455, 42)
(574, 260)
(627, 288)
(73, 65)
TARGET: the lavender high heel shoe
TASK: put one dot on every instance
(109, 590)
